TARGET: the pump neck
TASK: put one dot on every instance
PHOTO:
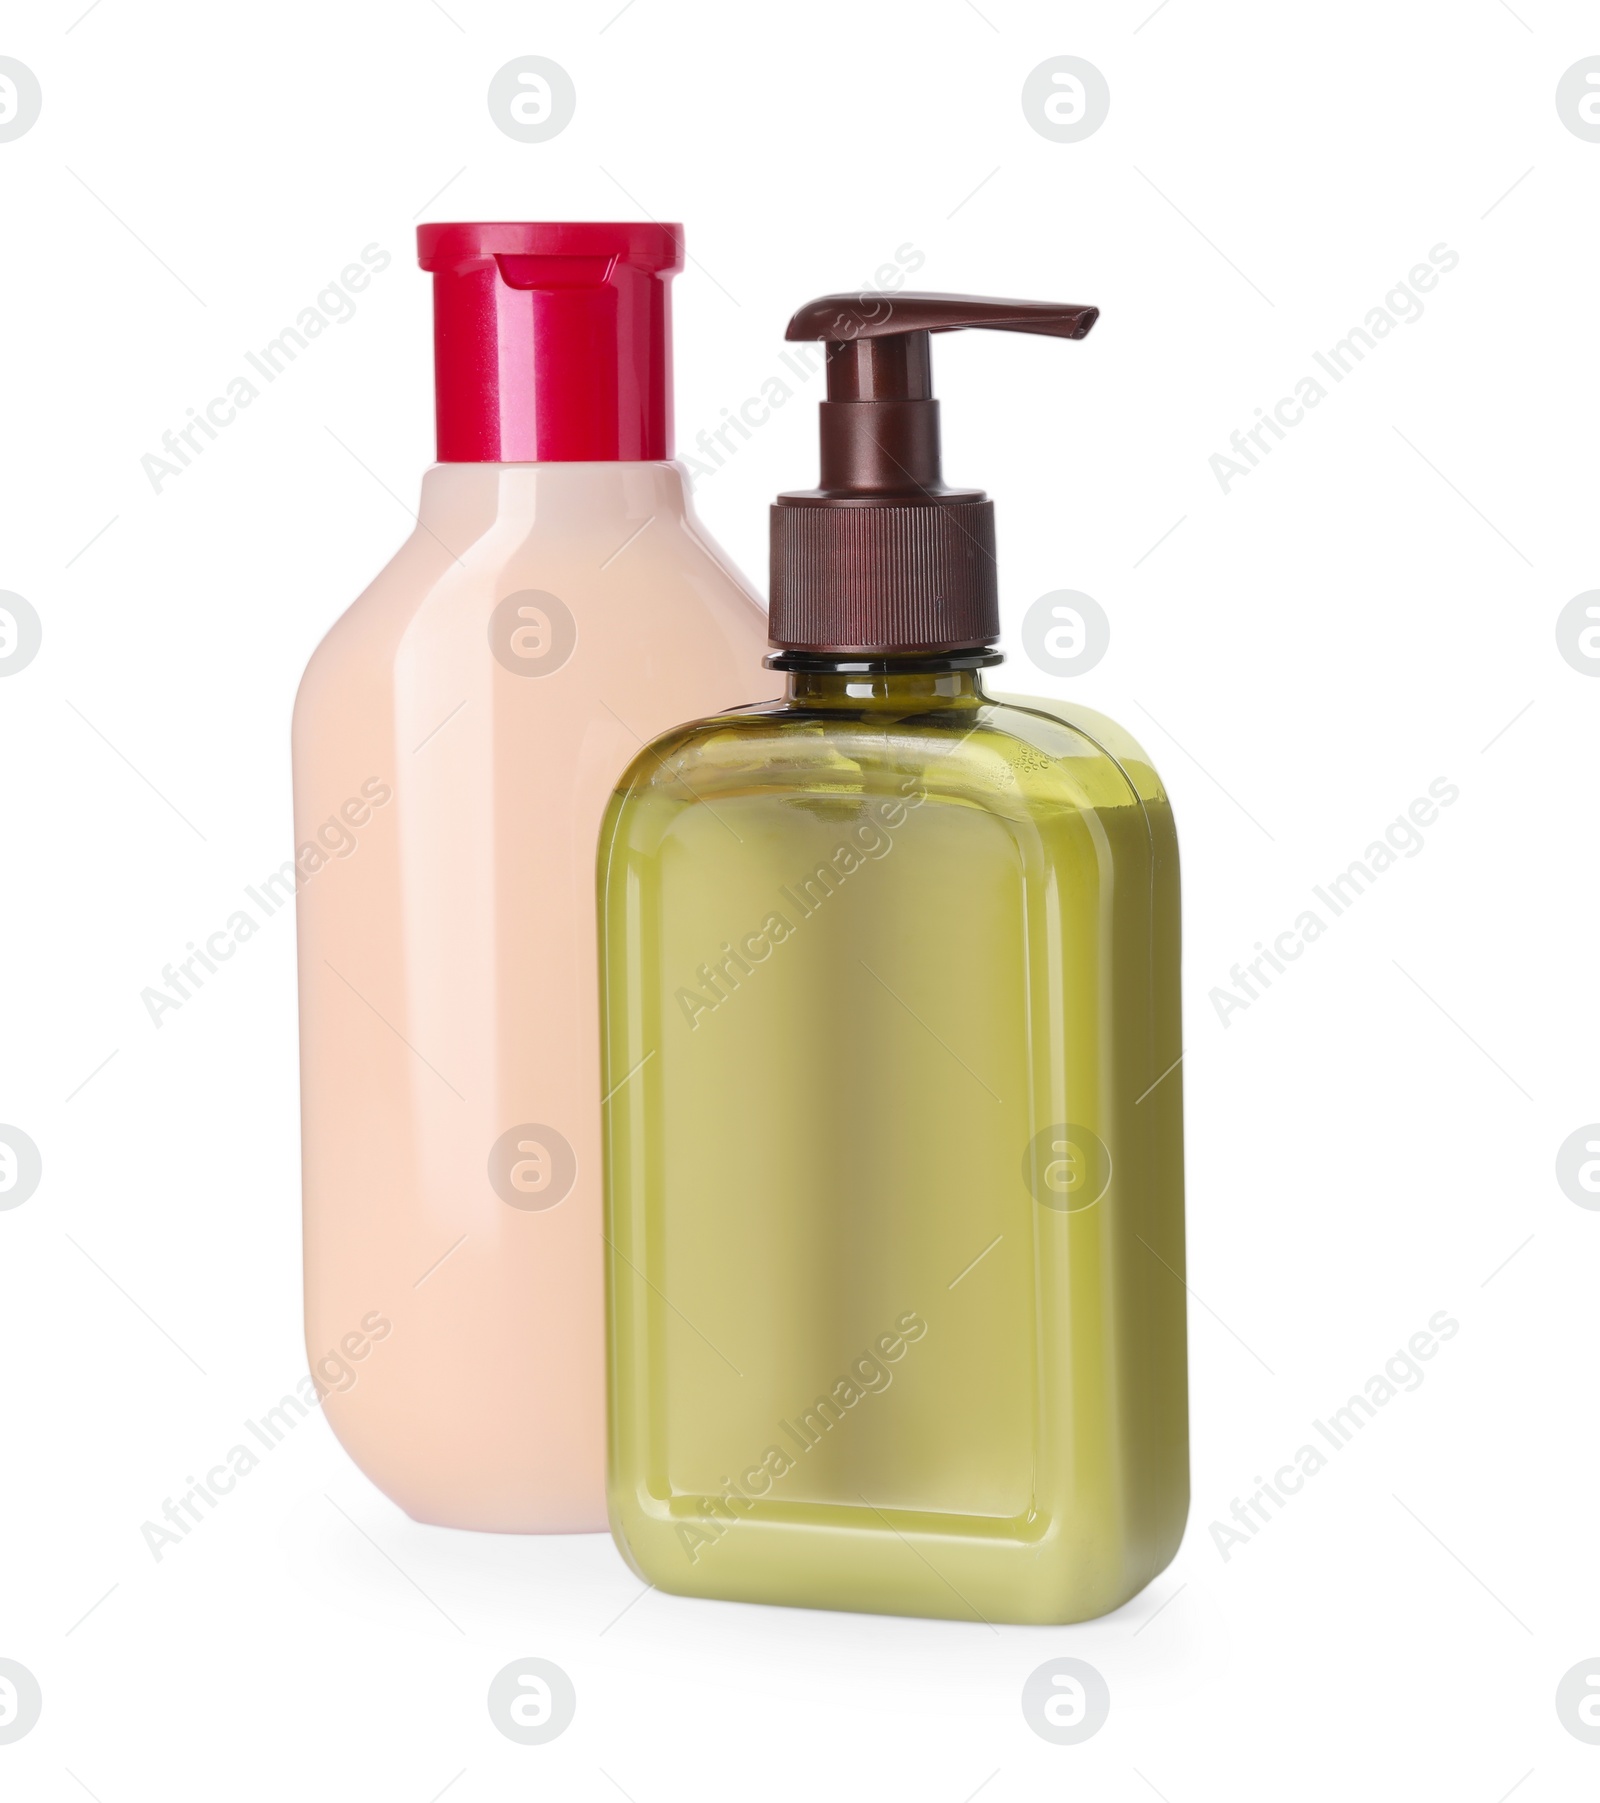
(897, 692)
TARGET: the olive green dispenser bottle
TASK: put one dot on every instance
(893, 1117)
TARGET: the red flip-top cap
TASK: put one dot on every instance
(552, 342)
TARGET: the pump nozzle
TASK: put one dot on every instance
(840, 318)
(882, 558)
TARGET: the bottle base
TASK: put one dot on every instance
(964, 1572)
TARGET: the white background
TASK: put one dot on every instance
(1369, 1142)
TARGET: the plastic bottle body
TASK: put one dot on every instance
(894, 1166)
(456, 736)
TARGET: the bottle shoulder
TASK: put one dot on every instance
(1114, 739)
(619, 610)
(992, 753)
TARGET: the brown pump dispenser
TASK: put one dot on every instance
(881, 559)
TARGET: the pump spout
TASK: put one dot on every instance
(880, 423)
(842, 318)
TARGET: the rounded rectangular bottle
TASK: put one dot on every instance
(893, 1125)
(894, 1158)
(456, 736)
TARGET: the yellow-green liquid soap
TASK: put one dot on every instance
(894, 1158)
(893, 1093)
